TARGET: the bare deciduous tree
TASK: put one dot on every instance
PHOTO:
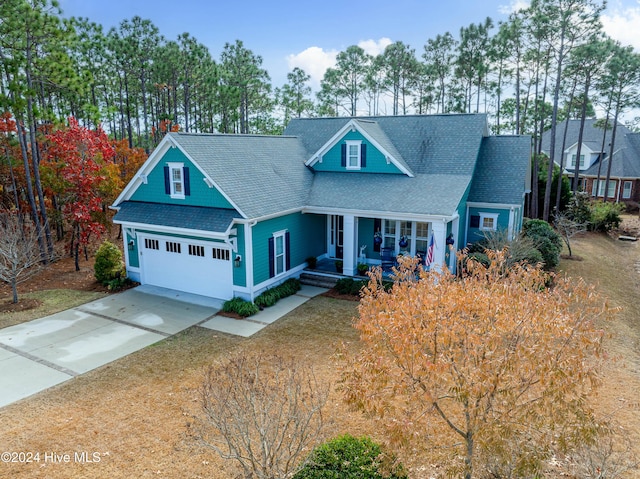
(264, 412)
(19, 251)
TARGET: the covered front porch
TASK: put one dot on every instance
(354, 239)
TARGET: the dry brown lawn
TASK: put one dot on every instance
(135, 412)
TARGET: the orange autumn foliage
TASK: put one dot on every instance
(487, 372)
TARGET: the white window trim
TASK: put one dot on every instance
(626, 194)
(276, 235)
(601, 185)
(172, 168)
(358, 144)
(582, 161)
(493, 216)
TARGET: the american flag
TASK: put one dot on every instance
(429, 259)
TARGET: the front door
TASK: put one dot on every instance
(336, 248)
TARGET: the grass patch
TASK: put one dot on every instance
(44, 303)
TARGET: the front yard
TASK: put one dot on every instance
(135, 413)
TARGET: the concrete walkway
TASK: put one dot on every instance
(48, 351)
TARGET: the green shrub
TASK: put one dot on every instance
(240, 307)
(348, 457)
(271, 296)
(362, 268)
(267, 298)
(545, 239)
(108, 265)
(350, 286)
(605, 215)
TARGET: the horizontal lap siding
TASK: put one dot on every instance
(201, 195)
(475, 234)
(307, 236)
(376, 161)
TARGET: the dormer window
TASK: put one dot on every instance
(353, 155)
(573, 161)
(176, 180)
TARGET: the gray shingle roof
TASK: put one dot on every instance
(423, 194)
(626, 159)
(265, 175)
(501, 172)
(216, 220)
(429, 144)
(261, 174)
(592, 136)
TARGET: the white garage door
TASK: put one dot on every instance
(186, 265)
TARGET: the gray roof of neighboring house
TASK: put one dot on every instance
(592, 136)
(626, 159)
(261, 174)
(176, 216)
(499, 177)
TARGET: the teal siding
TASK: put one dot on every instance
(134, 260)
(240, 272)
(475, 234)
(307, 236)
(376, 161)
(201, 194)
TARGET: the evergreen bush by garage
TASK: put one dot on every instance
(108, 265)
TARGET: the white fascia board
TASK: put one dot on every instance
(502, 206)
(379, 214)
(148, 165)
(353, 125)
(173, 230)
(271, 216)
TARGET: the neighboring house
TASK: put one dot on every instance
(624, 180)
(231, 215)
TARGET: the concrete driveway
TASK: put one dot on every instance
(42, 353)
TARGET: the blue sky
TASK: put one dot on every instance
(309, 34)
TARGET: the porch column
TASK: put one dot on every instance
(349, 245)
(453, 258)
(439, 231)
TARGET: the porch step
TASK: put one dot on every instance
(319, 280)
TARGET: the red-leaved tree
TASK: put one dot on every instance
(78, 158)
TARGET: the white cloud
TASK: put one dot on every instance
(623, 25)
(375, 47)
(513, 6)
(315, 60)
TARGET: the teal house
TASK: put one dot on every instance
(232, 215)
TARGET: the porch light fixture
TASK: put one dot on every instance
(237, 261)
(130, 244)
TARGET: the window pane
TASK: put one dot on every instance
(422, 230)
(390, 227)
(279, 264)
(627, 190)
(279, 245)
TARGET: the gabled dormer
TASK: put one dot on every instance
(588, 157)
(360, 146)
